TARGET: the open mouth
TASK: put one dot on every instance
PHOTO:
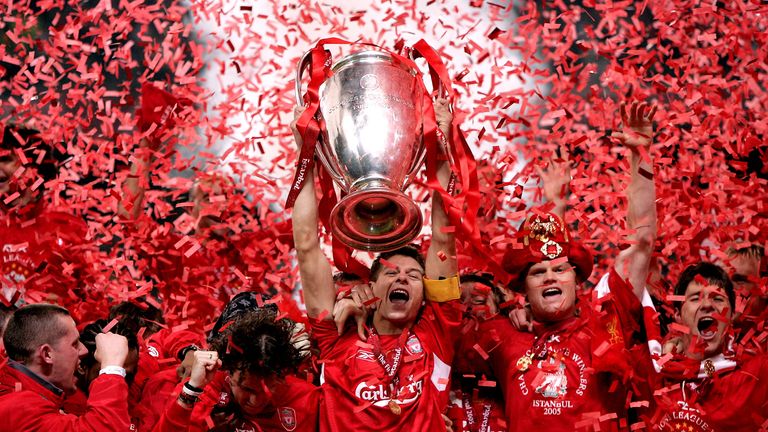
(707, 327)
(551, 292)
(399, 295)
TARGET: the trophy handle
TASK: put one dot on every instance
(419, 160)
(301, 67)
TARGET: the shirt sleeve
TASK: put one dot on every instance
(177, 418)
(622, 308)
(326, 335)
(107, 410)
(168, 343)
(441, 317)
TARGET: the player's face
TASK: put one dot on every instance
(400, 286)
(9, 163)
(65, 356)
(707, 313)
(746, 272)
(478, 299)
(550, 287)
(253, 393)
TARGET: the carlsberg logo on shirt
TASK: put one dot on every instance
(380, 394)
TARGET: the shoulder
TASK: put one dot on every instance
(63, 221)
(26, 403)
(756, 365)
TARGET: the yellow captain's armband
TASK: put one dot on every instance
(442, 290)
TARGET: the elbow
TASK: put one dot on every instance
(646, 238)
(305, 241)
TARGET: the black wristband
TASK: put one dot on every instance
(183, 352)
(187, 399)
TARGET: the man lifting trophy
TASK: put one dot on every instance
(368, 112)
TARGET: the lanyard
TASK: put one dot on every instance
(392, 368)
(469, 416)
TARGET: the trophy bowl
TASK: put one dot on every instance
(371, 144)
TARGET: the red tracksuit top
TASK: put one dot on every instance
(30, 404)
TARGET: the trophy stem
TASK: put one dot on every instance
(376, 219)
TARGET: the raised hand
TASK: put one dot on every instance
(444, 118)
(555, 178)
(346, 308)
(204, 367)
(111, 349)
(636, 125)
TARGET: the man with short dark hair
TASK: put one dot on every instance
(705, 385)
(44, 352)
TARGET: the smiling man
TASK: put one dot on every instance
(570, 373)
(706, 386)
(44, 352)
(397, 378)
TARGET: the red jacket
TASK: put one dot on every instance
(167, 343)
(158, 391)
(29, 403)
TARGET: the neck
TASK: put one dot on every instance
(384, 326)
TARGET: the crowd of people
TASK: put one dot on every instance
(415, 345)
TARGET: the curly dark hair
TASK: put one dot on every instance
(258, 343)
(137, 314)
(88, 338)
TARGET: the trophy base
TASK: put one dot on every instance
(376, 220)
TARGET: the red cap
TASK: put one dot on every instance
(544, 237)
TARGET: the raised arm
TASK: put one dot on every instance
(314, 268)
(637, 135)
(135, 184)
(555, 181)
(443, 244)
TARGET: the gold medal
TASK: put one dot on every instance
(524, 362)
(394, 407)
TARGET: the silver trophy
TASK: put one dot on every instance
(371, 144)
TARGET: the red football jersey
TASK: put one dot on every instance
(295, 405)
(567, 376)
(356, 388)
(41, 251)
(732, 401)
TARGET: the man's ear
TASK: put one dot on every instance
(45, 354)
(678, 317)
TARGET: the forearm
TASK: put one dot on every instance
(641, 196)
(633, 262)
(136, 183)
(559, 208)
(441, 256)
(314, 268)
